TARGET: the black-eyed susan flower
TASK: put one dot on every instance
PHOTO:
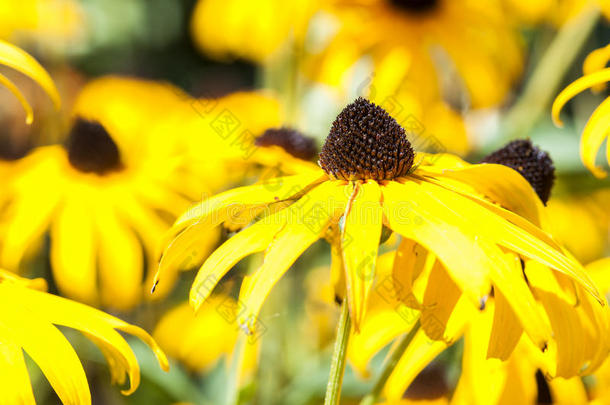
(549, 312)
(106, 196)
(28, 322)
(370, 177)
(404, 37)
(596, 129)
(200, 340)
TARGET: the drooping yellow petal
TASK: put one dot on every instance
(440, 299)
(48, 348)
(513, 192)
(360, 242)
(91, 321)
(577, 86)
(568, 391)
(596, 60)
(253, 239)
(409, 262)
(120, 259)
(409, 213)
(14, 378)
(506, 329)
(504, 228)
(73, 251)
(19, 60)
(308, 218)
(29, 113)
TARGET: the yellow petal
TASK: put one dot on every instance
(507, 276)
(308, 218)
(409, 262)
(440, 299)
(579, 85)
(360, 242)
(513, 192)
(568, 391)
(19, 60)
(48, 348)
(61, 311)
(506, 329)
(14, 378)
(412, 213)
(73, 251)
(595, 61)
(29, 113)
(515, 233)
(593, 135)
(253, 239)
(119, 258)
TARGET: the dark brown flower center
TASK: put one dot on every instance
(415, 5)
(91, 149)
(291, 140)
(533, 164)
(365, 142)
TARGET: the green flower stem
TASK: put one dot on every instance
(544, 82)
(337, 367)
(389, 366)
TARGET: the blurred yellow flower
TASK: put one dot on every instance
(556, 12)
(47, 22)
(405, 38)
(596, 130)
(244, 29)
(28, 323)
(368, 179)
(107, 196)
(199, 340)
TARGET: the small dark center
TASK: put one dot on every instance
(531, 162)
(91, 149)
(365, 142)
(291, 140)
(415, 5)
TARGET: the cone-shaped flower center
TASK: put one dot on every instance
(533, 164)
(365, 142)
(415, 5)
(91, 149)
(291, 140)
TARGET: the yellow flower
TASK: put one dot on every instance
(368, 180)
(28, 323)
(244, 29)
(528, 303)
(19, 60)
(200, 340)
(402, 37)
(596, 130)
(107, 197)
(557, 12)
(45, 21)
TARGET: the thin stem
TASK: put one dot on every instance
(389, 366)
(337, 367)
(544, 82)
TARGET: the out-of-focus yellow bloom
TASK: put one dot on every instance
(406, 38)
(581, 224)
(19, 60)
(199, 340)
(556, 12)
(28, 323)
(438, 203)
(107, 196)
(218, 137)
(596, 130)
(244, 29)
(321, 309)
(45, 21)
